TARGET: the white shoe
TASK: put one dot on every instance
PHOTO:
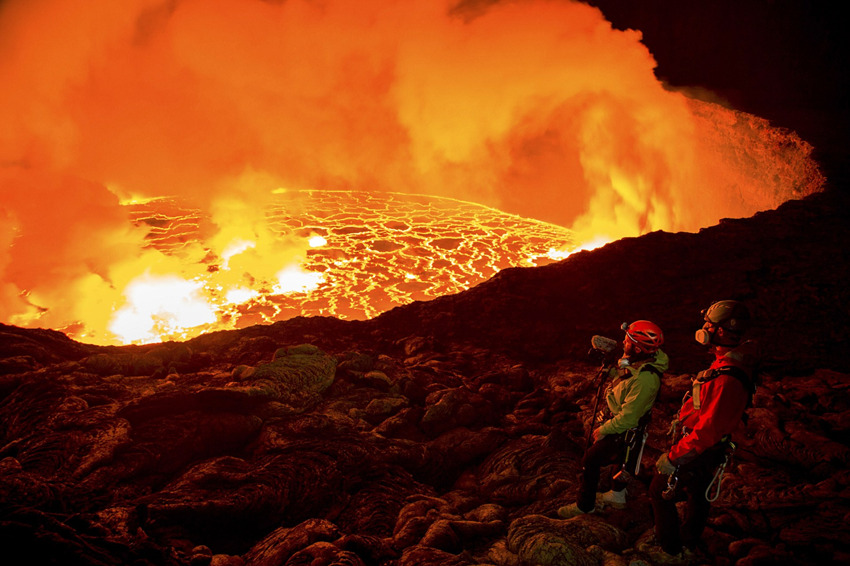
(615, 499)
(572, 510)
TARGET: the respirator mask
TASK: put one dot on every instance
(703, 336)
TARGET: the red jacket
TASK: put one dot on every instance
(722, 399)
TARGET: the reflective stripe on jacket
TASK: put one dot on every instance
(630, 398)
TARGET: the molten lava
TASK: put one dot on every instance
(364, 253)
(197, 110)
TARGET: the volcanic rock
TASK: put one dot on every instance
(319, 441)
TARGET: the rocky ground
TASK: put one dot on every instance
(441, 433)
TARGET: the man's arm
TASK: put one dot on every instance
(724, 400)
(639, 399)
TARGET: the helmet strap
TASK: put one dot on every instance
(725, 338)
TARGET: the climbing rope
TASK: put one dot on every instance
(718, 476)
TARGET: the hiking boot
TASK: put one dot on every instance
(648, 545)
(572, 510)
(615, 499)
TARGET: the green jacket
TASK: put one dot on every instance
(633, 394)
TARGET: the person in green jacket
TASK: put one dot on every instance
(630, 397)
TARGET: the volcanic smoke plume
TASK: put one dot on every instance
(536, 108)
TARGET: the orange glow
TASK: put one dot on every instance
(537, 108)
(293, 280)
(161, 307)
(557, 255)
(368, 252)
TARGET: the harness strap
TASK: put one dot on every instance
(631, 440)
(709, 374)
(640, 454)
(701, 377)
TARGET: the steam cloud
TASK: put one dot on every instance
(538, 108)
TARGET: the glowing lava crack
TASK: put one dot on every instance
(365, 253)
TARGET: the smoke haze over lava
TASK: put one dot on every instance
(536, 108)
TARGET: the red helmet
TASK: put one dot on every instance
(645, 334)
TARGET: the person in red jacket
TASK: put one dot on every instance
(713, 408)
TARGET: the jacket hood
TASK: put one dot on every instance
(660, 361)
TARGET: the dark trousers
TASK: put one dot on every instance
(610, 449)
(694, 479)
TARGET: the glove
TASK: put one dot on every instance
(664, 465)
(597, 434)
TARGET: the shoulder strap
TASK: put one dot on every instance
(732, 371)
(739, 374)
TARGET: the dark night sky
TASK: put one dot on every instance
(784, 60)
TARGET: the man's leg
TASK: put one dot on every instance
(666, 516)
(602, 453)
(697, 510)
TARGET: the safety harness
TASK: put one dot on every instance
(710, 374)
(637, 436)
(634, 437)
(725, 442)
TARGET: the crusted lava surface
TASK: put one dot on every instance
(378, 251)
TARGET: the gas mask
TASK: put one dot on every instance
(703, 336)
(716, 337)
